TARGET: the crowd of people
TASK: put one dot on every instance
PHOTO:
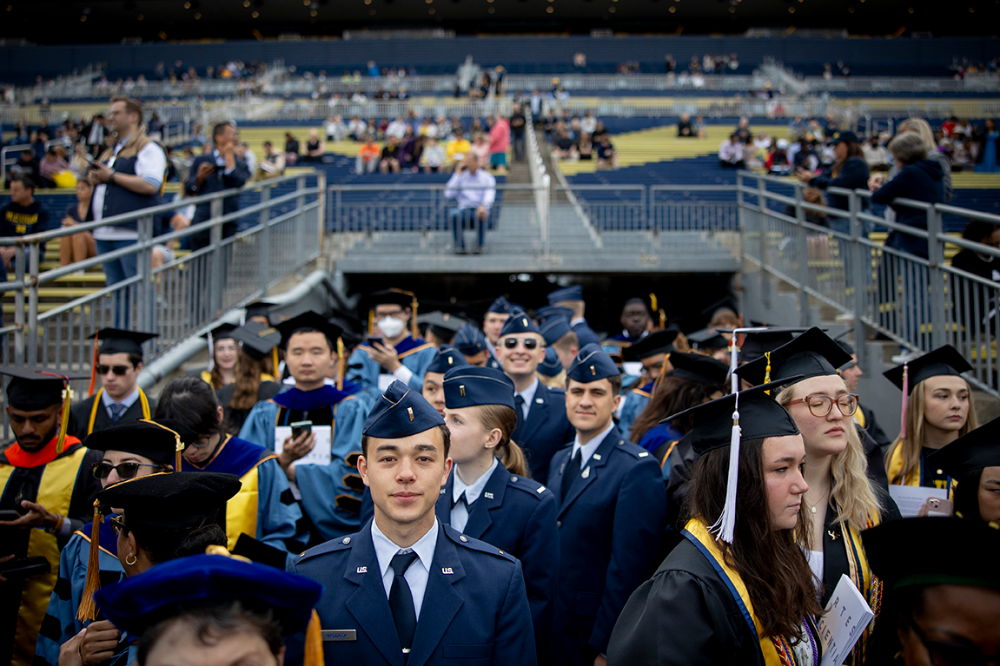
(579, 138)
(522, 489)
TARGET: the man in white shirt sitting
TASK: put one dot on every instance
(475, 190)
(731, 153)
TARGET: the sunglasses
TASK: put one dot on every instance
(529, 343)
(118, 525)
(119, 370)
(126, 470)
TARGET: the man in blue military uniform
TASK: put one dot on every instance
(496, 317)
(397, 353)
(611, 516)
(560, 337)
(653, 352)
(472, 344)
(406, 590)
(542, 428)
(572, 297)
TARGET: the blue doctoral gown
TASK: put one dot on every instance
(60, 623)
(518, 516)
(610, 525)
(414, 353)
(635, 401)
(475, 609)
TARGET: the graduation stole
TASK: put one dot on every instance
(18, 457)
(915, 477)
(776, 650)
(869, 586)
(143, 401)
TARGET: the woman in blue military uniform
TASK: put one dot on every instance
(489, 495)
(131, 450)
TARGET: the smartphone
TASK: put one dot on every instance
(372, 341)
(24, 567)
(300, 427)
(940, 507)
(9, 514)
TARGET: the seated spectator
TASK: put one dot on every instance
(565, 147)
(456, 150)
(585, 147)
(81, 246)
(336, 130)
(433, 156)
(390, 159)
(26, 165)
(21, 216)
(368, 156)
(607, 156)
(684, 126)
(700, 128)
(411, 150)
(397, 128)
(777, 159)
(474, 189)
(803, 156)
(963, 128)
(743, 131)
(356, 129)
(588, 123)
(962, 154)
(51, 165)
(731, 152)
(271, 165)
(875, 155)
(481, 149)
(291, 150)
(315, 147)
(427, 128)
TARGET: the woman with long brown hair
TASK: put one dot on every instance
(938, 408)
(253, 382)
(490, 495)
(742, 592)
(224, 354)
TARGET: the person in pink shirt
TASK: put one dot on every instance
(481, 149)
(499, 141)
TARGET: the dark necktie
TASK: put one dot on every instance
(401, 600)
(461, 500)
(117, 411)
(519, 411)
(572, 471)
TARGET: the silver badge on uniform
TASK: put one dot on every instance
(586, 472)
(447, 571)
(335, 635)
(362, 569)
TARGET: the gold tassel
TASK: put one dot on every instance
(340, 364)
(413, 317)
(178, 446)
(93, 370)
(663, 320)
(88, 609)
(654, 303)
(767, 370)
(371, 323)
(314, 642)
(274, 363)
(67, 395)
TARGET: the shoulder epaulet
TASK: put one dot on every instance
(631, 449)
(333, 546)
(529, 486)
(477, 545)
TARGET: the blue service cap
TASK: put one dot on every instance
(169, 589)
(471, 386)
(400, 412)
(570, 293)
(519, 322)
(503, 306)
(554, 328)
(446, 359)
(592, 364)
(551, 366)
(543, 314)
(469, 340)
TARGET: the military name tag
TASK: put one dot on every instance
(340, 635)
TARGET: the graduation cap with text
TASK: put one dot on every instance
(974, 450)
(657, 342)
(812, 354)
(35, 389)
(698, 368)
(943, 361)
(748, 415)
(257, 339)
(934, 551)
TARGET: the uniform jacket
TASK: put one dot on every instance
(477, 613)
(545, 430)
(610, 525)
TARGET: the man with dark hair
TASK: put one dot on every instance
(410, 588)
(27, 165)
(21, 216)
(222, 169)
(120, 400)
(611, 516)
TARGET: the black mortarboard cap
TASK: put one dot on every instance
(707, 339)
(446, 359)
(118, 341)
(657, 342)
(698, 368)
(974, 450)
(934, 551)
(592, 364)
(400, 412)
(760, 417)
(756, 344)
(403, 299)
(258, 340)
(944, 360)
(175, 500)
(309, 320)
(155, 441)
(222, 331)
(32, 389)
(443, 324)
(812, 354)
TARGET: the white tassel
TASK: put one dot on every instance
(725, 526)
(211, 352)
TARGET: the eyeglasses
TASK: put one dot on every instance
(119, 370)
(529, 343)
(118, 525)
(126, 470)
(945, 653)
(822, 405)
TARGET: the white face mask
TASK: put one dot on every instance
(390, 326)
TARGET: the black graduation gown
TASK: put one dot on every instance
(874, 429)
(234, 418)
(80, 415)
(683, 616)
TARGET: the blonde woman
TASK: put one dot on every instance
(921, 128)
(843, 498)
(937, 409)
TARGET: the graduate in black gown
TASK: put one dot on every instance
(741, 593)
(974, 462)
(253, 384)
